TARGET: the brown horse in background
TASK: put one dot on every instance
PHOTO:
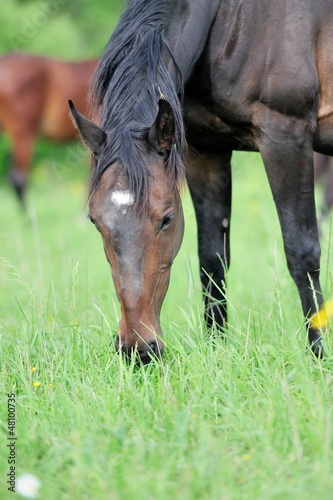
(33, 103)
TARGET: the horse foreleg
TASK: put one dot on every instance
(287, 154)
(209, 180)
(22, 151)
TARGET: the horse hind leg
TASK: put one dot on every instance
(288, 161)
(209, 180)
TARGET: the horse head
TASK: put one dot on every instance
(141, 238)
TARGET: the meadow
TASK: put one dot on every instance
(248, 416)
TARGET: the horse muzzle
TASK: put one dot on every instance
(144, 349)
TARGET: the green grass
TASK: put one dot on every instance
(248, 417)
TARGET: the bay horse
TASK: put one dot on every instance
(220, 76)
(33, 103)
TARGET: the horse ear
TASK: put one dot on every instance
(162, 133)
(92, 136)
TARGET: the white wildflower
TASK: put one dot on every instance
(28, 486)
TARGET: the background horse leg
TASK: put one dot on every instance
(328, 189)
(288, 159)
(320, 165)
(209, 180)
(22, 151)
(323, 171)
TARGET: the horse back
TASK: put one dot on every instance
(34, 92)
(271, 57)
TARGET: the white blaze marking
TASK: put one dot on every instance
(122, 198)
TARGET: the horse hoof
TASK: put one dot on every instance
(318, 349)
(19, 181)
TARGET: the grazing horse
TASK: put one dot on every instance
(233, 75)
(33, 103)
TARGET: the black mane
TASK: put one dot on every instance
(130, 79)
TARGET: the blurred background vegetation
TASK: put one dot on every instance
(68, 29)
(65, 29)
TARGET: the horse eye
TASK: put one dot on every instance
(166, 221)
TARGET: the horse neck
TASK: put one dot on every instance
(188, 35)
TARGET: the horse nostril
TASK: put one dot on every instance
(149, 351)
(153, 348)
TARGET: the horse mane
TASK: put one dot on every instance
(128, 82)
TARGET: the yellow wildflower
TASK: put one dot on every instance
(36, 384)
(321, 318)
(34, 369)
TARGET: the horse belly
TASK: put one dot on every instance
(55, 123)
(64, 84)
